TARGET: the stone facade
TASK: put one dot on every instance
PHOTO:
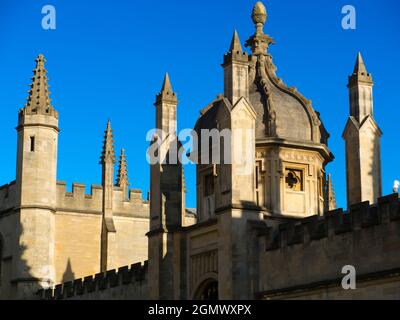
(265, 228)
(49, 235)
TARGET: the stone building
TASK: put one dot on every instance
(265, 228)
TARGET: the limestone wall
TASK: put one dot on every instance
(312, 253)
(78, 230)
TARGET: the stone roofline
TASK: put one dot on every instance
(307, 230)
(135, 195)
(136, 274)
(7, 185)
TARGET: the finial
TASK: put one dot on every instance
(259, 16)
(259, 42)
(235, 44)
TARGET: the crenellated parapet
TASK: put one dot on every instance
(78, 201)
(360, 216)
(300, 256)
(132, 280)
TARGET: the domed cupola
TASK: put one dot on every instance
(282, 112)
(290, 141)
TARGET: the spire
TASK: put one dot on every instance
(235, 44)
(38, 101)
(108, 153)
(167, 87)
(166, 91)
(360, 66)
(122, 177)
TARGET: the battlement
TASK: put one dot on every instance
(360, 216)
(80, 202)
(305, 252)
(134, 276)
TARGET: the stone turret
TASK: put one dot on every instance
(362, 136)
(33, 265)
(167, 205)
(107, 161)
(166, 104)
(122, 177)
(236, 73)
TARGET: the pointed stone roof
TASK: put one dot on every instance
(360, 65)
(122, 176)
(360, 73)
(167, 87)
(108, 153)
(235, 53)
(235, 44)
(38, 101)
(166, 94)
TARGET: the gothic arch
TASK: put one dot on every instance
(207, 287)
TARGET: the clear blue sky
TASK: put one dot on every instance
(107, 59)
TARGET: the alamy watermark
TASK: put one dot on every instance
(209, 146)
(349, 21)
(49, 19)
(349, 281)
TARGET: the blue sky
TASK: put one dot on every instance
(107, 59)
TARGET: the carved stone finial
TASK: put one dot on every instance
(259, 42)
(259, 16)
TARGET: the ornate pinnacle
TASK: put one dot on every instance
(122, 177)
(38, 101)
(108, 154)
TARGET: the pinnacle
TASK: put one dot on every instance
(166, 94)
(38, 100)
(122, 177)
(108, 153)
(360, 65)
(167, 87)
(235, 44)
(331, 194)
